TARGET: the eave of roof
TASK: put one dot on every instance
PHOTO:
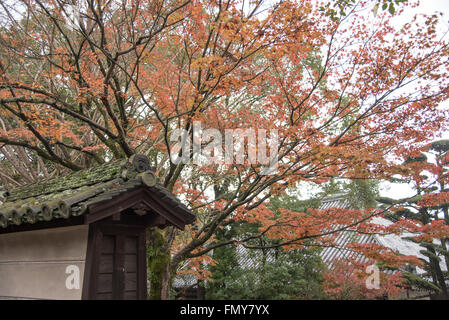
(75, 194)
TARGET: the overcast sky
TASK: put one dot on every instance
(431, 6)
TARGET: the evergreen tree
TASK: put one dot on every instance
(429, 206)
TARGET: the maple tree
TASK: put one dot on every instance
(347, 281)
(338, 8)
(84, 82)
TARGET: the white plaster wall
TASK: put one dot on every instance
(34, 264)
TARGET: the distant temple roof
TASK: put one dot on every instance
(332, 254)
(82, 191)
(394, 242)
(250, 258)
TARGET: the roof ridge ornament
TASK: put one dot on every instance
(140, 162)
(148, 178)
(138, 167)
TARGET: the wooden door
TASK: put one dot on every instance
(118, 270)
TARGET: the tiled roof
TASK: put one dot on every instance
(250, 258)
(71, 195)
(397, 243)
(184, 281)
(332, 254)
(254, 258)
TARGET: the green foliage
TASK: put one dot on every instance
(293, 275)
(416, 281)
(430, 255)
(292, 203)
(362, 194)
(441, 146)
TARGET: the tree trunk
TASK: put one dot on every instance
(158, 255)
(166, 283)
(439, 276)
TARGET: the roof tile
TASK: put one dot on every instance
(71, 195)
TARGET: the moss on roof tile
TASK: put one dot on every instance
(75, 180)
(71, 195)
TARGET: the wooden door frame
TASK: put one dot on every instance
(96, 231)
